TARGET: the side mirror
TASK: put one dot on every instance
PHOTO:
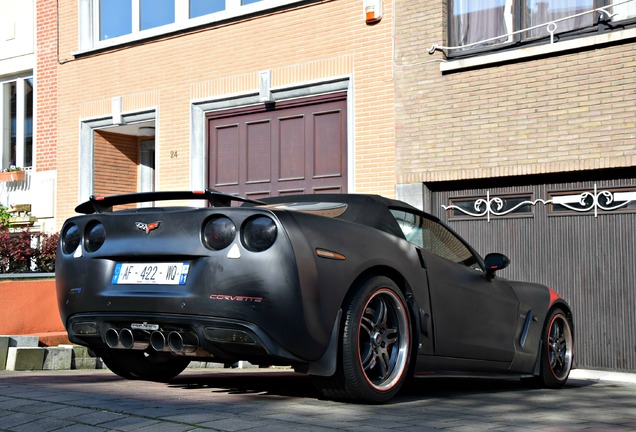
(494, 262)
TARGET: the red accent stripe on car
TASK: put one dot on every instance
(554, 296)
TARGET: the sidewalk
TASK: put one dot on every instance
(598, 375)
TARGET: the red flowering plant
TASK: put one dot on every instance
(22, 252)
(16, 251)
(45, 254)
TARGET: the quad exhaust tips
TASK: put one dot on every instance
(177, 342)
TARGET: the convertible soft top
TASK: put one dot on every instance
(368, 210)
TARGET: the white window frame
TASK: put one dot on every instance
(5, 123)
(89, 21)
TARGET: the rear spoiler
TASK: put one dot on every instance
(105, 204)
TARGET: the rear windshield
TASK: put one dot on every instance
(327, 209)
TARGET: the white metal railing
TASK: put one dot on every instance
(583, 202)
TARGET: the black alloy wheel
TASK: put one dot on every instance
(375, 347)
(557, 347)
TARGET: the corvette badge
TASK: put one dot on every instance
(147, 227)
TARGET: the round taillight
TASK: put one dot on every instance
(259, 233)
(219, 232)
(70, 238)
(95, 236)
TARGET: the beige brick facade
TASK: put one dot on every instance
(305, 43)
(565, 111)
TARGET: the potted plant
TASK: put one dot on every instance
(13, 173)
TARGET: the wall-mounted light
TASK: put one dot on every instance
(372, 11)
(265, 86)
(147, 131)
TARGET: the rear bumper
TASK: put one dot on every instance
(207, 338)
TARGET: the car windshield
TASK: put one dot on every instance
(327, 209)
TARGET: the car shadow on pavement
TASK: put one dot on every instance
(291, 384)
(279, 383)
(449, 385)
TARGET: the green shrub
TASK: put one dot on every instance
(4, 216)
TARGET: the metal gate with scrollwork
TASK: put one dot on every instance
(578, 237)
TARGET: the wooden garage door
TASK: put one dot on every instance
(298, 147)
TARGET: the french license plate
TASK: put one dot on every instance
(151, 273)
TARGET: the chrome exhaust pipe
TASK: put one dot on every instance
(112, 338)
(126, 338)
(157, 341)
(183, 343)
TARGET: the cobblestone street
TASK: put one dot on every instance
(280, 400)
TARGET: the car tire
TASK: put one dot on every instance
(556, 350)
(375, 345)
(159, 367)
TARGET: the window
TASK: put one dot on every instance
(624, 9)
(108, 22)
(489, 206)
(205, 7)
(155, 13)
(485, 24)
(594, 201)
(433, 237)
(115, 18)
(16, 123)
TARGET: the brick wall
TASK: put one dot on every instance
(311, 42)
(563, 112)
(45, 152)
(117, 167)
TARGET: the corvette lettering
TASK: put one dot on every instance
(236, 298)
(147, 227)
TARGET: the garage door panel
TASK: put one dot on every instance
(334, 189)
(327, 144)
(256, 195)
(226, 155)
(300, 146)
(258, 152)
(292, 153)
(283, 192)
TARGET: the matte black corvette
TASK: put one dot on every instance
(360, 292)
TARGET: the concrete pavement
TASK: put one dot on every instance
(279, 400)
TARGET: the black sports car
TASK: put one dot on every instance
(359, 291)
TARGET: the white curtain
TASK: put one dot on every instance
(476, 20)
(545, 11)
(624, 10)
